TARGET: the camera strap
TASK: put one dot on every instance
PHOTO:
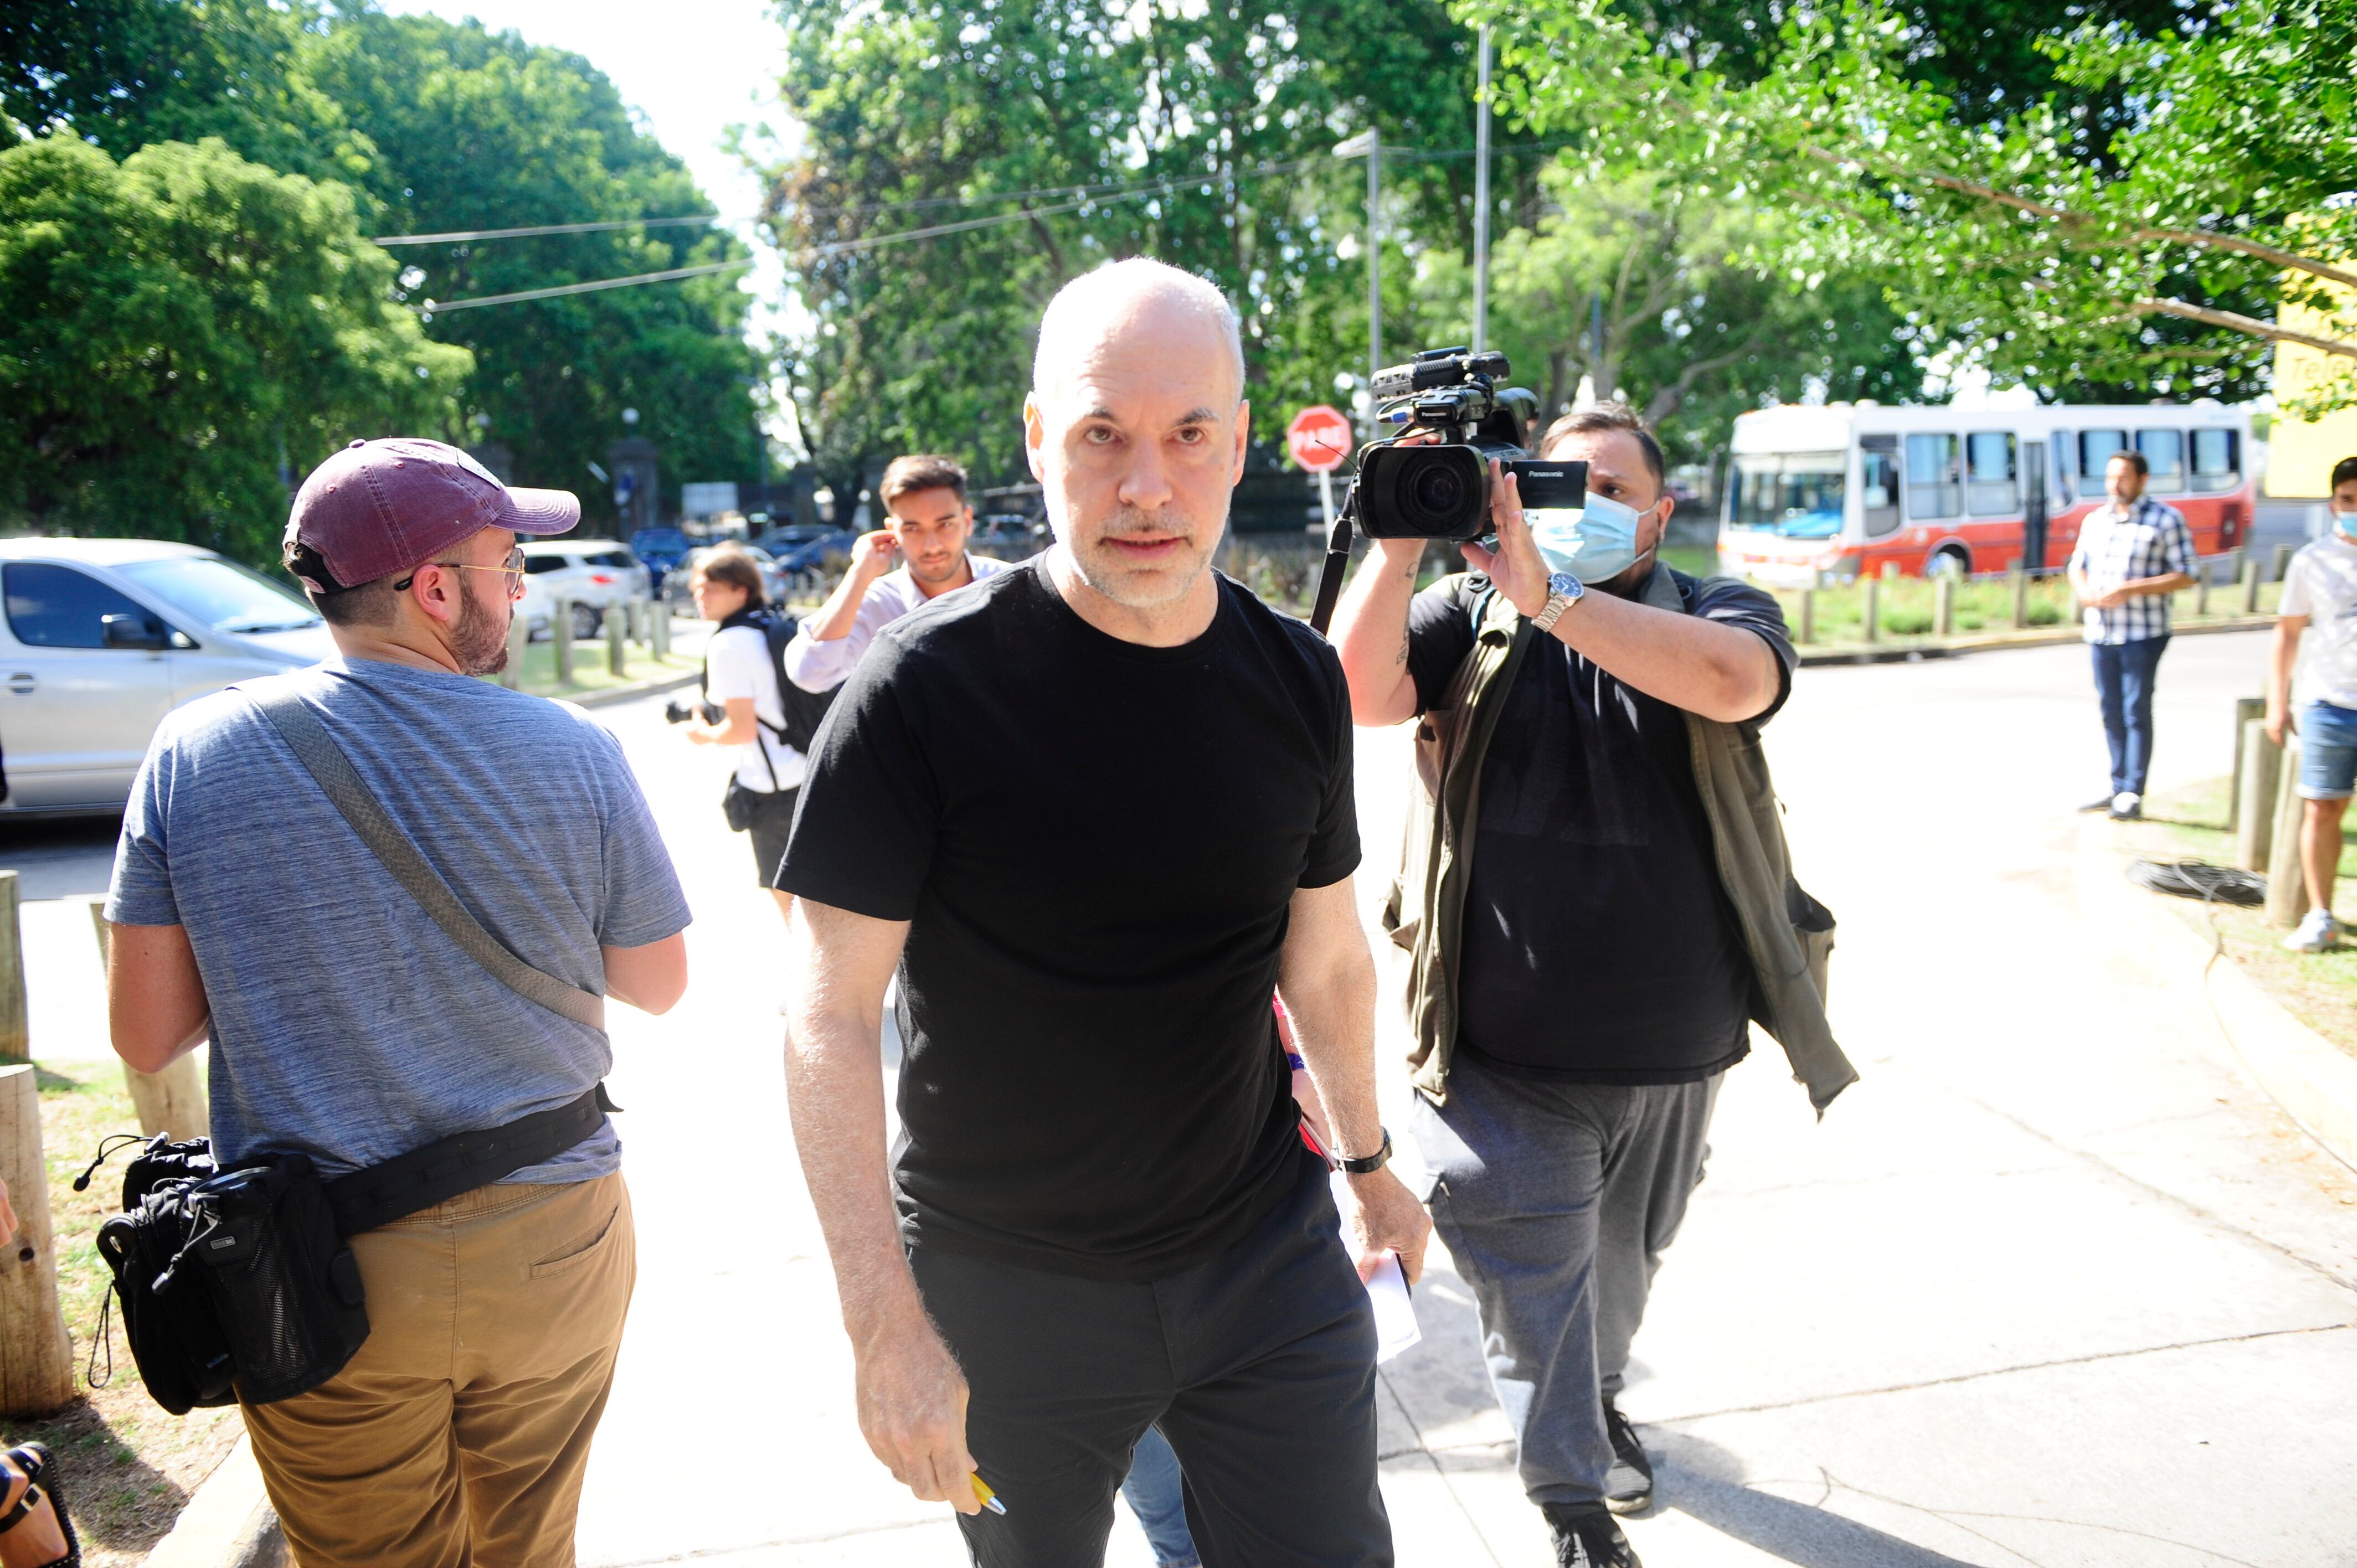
(1338, 562)
(316, 750)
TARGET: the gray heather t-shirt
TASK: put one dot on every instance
(345, 1024)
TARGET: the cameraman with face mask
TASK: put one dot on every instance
(1608, 909)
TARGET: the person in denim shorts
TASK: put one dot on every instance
(2320, 589)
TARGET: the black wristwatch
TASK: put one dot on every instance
(1370, 1163)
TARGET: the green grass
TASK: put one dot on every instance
(589, 672)
(2319, 989)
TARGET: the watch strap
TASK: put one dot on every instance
(1552, 611)
(1369, 1163)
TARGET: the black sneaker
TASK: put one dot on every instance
(1587, 1538)
(1629, 1484)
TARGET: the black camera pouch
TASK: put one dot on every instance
(167, 1316)
(737, 804)
(285, 1286)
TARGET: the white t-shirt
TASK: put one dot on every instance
(2322, 585)
(736, 664)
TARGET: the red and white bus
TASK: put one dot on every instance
(1831, 493)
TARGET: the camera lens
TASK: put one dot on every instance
(1437, 489)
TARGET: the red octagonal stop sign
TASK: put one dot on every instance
(1320, 438)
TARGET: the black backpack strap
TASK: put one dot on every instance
(443, 1170)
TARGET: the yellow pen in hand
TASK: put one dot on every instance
(985, 1496)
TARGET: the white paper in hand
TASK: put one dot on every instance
(1395, 1328)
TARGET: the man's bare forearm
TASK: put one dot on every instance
(832, 622)
(1329, 984)
(1719, 671)
(1371, 633)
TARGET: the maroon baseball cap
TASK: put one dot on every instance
(378, 507)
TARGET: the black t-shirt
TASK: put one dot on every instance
(1598, 945)
(1096, 845)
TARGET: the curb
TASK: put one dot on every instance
(1898, 652)
(227, 1523)
(2313, 1080)
(613, 695)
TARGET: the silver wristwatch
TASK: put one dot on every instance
(1564, 590)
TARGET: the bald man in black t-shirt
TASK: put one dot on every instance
(1101, 1216)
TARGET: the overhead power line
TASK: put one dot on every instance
(462, 234)
(436, 307)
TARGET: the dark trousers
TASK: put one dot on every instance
(1556, 1201)
(1259, 1365)
(2124, 676)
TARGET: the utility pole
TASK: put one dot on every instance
(1482, 202)
(1368, 144)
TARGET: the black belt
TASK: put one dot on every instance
(443, 1170)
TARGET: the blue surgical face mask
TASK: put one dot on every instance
(1593, 545)
(2345, 524)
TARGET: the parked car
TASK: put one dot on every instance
(812, 553)
(592, 573)
(103, 637)
(1010, 538)
(658, 550)
(676, 595)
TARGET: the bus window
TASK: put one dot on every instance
(1932, 488)
(2217, 463)
(1794, 495)
(2095, 449)
(2164, 451)
(1878, 484)
(1991, 486)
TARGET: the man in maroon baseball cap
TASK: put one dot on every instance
(350, 1023)
(372, 519)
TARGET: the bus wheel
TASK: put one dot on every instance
(1947, 561)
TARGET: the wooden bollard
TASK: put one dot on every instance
(15, 1040)
(1943, 605)
(2018, 581)
(2202, 588)
(36, 1353)
(560, 639)
(1871, 608)
(2259, 773)
(1808, 617)
(2286, 881)
(617, 650)
(519, 640)
(2250, 588)
(173, 1101)
(659, 627)
(2245, 710)
(2283, 562)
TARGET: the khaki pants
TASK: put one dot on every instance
(460, 1433)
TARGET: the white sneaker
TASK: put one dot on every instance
(2319, 932)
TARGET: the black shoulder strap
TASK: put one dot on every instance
(316, 750)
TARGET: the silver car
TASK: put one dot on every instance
(103, 637)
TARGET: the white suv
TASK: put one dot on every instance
(591, 573)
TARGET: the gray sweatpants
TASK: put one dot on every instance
(1556, 1200)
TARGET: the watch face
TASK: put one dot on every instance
(1563, 583)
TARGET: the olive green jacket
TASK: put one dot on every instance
(1788, 935)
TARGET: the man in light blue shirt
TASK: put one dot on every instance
(348, 1026)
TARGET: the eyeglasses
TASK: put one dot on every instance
(513, 570)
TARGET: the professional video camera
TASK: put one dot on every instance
(678, 712)
(1440, 489)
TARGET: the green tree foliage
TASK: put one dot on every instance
(911, 118)
(1673, 301)
(184, 331)
(477, 130)
(2129, 231)
(443, 128)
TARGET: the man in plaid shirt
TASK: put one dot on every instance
(2131, 554)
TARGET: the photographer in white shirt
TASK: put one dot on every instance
(740, 679)
(924, 496)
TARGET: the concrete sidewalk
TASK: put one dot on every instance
(2054, 1283)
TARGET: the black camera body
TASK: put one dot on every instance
(1441, 490)
(679, 713)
